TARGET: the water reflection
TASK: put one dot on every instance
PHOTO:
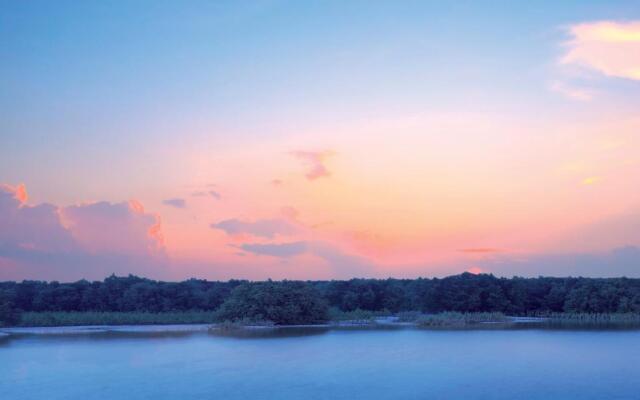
(380, 363)
(270, 332)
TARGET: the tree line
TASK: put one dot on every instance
(308, 301)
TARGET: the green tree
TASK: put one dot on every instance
(9, 315)
(283, 303)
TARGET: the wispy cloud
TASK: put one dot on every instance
(177, 203)
(619, 261)
(571, 92)
(209, 193)
(283, 250)
(609, 47)
(267, 228)
(480, 250)
(338, 262)
(315, 162)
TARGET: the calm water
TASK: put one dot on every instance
(321, 364)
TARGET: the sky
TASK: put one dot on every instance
(319, 140)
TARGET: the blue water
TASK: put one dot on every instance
(325, 364)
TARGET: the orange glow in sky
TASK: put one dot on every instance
(303, 152)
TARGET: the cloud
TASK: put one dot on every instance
(609, 47)
(339, 264)
(315, 163)
(282, 250)
(210, 193)
(479, 250)
(30, 228)
(343, 265)
(267, 228)
(620, 261)
(570, 92)
(92, 240)
(119, 228)
(291, 213)
(177, 203)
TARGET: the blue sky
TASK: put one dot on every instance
(111, 101)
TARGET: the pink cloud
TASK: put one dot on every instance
(612, 48)
(314, 160)
(571, 92)
(45, 241)
(24, 227)
(114, 227)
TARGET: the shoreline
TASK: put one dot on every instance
(380, 322)
(384, 322)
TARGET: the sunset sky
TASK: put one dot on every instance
(319, 140)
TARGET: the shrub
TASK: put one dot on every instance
(63, 318)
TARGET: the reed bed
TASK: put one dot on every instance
(458, 319)
(595, 318)
(115, 318)
(356, 316)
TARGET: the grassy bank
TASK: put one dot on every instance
(456, 319)
(356, 316)
(595, 318)
(439, 320)
(114, 318)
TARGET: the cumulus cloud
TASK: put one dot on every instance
(177, 203)
(314, 160)
(121, 227)
(45, 241)
(30, 228)
(612, 48)
(267, 228)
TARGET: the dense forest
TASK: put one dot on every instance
(300, 302)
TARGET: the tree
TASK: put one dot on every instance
(283, 303)
(9, 315)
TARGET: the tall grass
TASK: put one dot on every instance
(457, 319)
(240, 324)
(409, 316)
(595, 318)
(114, 318)
(356, 316)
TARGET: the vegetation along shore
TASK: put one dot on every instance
(458, 300)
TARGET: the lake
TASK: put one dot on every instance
(325, 364)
